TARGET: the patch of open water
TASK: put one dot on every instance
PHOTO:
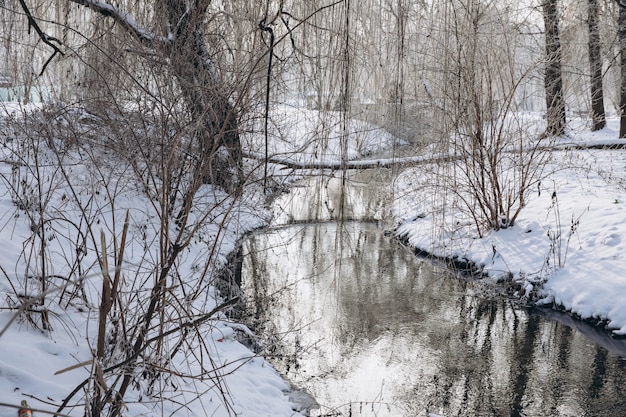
(370, 330)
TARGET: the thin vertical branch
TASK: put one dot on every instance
(268, 79)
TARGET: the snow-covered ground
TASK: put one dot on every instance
(567, 247)
(579, 203)
(305, 136)
(222, 377)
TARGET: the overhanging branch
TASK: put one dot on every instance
(45, 38)
(124, 19)
(107, 10)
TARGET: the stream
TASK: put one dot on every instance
(368, 329)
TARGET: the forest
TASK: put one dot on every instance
(443, 73)
(142, 139)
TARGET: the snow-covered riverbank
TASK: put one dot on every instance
(567, 246)
(83, 190)
(581, 200)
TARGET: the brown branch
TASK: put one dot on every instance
(34, 410)
(124, 19)
(147, 343)
(45, 38)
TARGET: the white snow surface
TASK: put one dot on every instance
(583, 271)
(30, 357)
(299, 135)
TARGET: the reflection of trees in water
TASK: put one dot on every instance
(272, 267)
(453, 353)
(375, 295)
(524, 366)
(522, 363)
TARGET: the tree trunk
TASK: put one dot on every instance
(595, 61)
(555, 102)
(622, 49)
(210, 111)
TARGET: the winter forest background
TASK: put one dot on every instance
(190, 105)
(398, 62)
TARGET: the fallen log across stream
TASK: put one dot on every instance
(407, 161)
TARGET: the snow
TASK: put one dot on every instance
(223, 376)
(298, 135)
(580, 269)
(566, 249)
(123, 18)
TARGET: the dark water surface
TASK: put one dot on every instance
(370, 330)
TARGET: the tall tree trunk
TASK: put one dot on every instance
(595, 61)
(622, 50)
(214, 117)
(555, 102)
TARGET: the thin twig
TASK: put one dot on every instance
(45, 38)
(132, 357)
(34, 410)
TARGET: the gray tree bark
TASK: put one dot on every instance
(595, 61)
(553, 81)
(622, 50)
(208, 105)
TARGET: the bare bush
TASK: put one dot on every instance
(498, 154)
(77, 177)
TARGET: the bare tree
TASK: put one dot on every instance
(555, 101)
(622, 50)
(175, 129)
(179, 43)
(595, 61)
(475, 87)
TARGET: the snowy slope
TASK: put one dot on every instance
(221, 376)
(567, 246)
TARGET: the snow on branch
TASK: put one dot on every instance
(104, 9)
(124, 19)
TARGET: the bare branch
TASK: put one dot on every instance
(36, 410)
(137, 352)
(121, 17)
(124, 19)
(45, 38)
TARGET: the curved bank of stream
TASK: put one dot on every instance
(371, 330)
